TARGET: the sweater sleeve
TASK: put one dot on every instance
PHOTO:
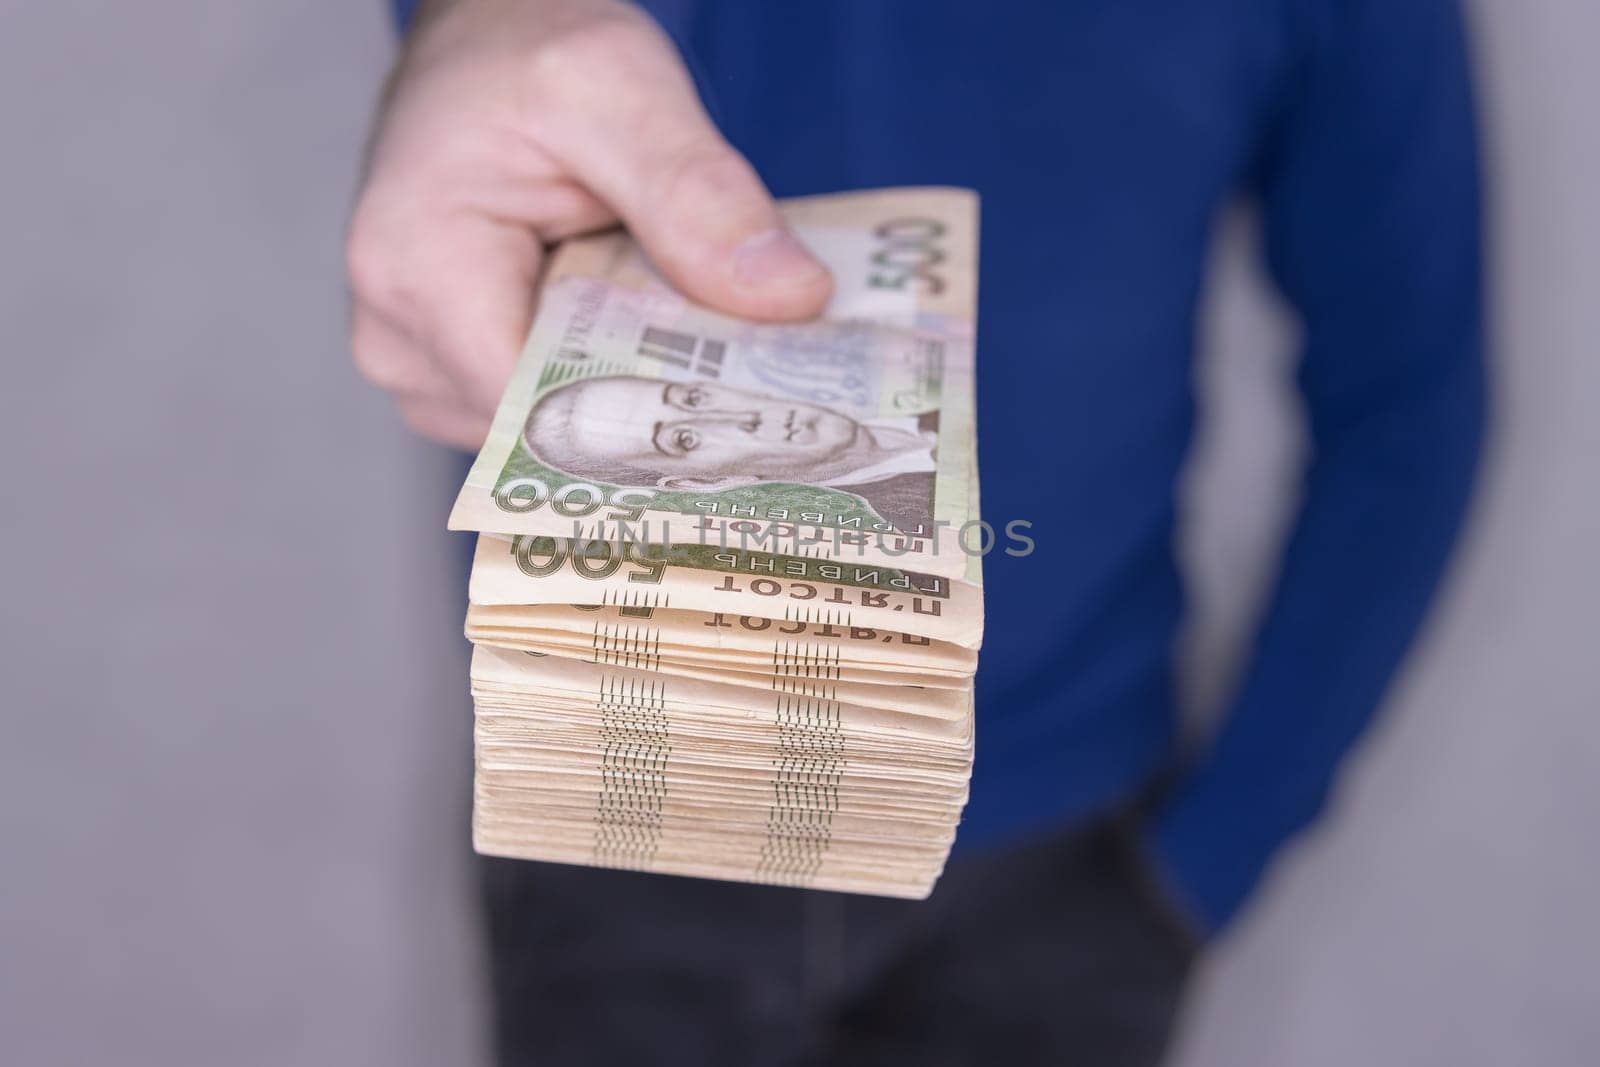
(1370, 196)
(404, 12)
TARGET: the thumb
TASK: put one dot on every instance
(706, 220)
(647, 148)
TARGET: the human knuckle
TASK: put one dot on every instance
(368, 264)
(374, 359)
(701, 169)
(373, 365)
(420, 419)
(609, 44)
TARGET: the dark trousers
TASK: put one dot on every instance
(1046, 954)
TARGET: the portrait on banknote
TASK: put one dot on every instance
(706, 437)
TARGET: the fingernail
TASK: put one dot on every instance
(773, 257)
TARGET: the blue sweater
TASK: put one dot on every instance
(1104, 136)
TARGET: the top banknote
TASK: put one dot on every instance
(636, 417)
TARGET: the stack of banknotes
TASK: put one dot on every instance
(726, 602)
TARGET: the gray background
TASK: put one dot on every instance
(232, 780)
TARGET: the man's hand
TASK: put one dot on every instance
(510, 124)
